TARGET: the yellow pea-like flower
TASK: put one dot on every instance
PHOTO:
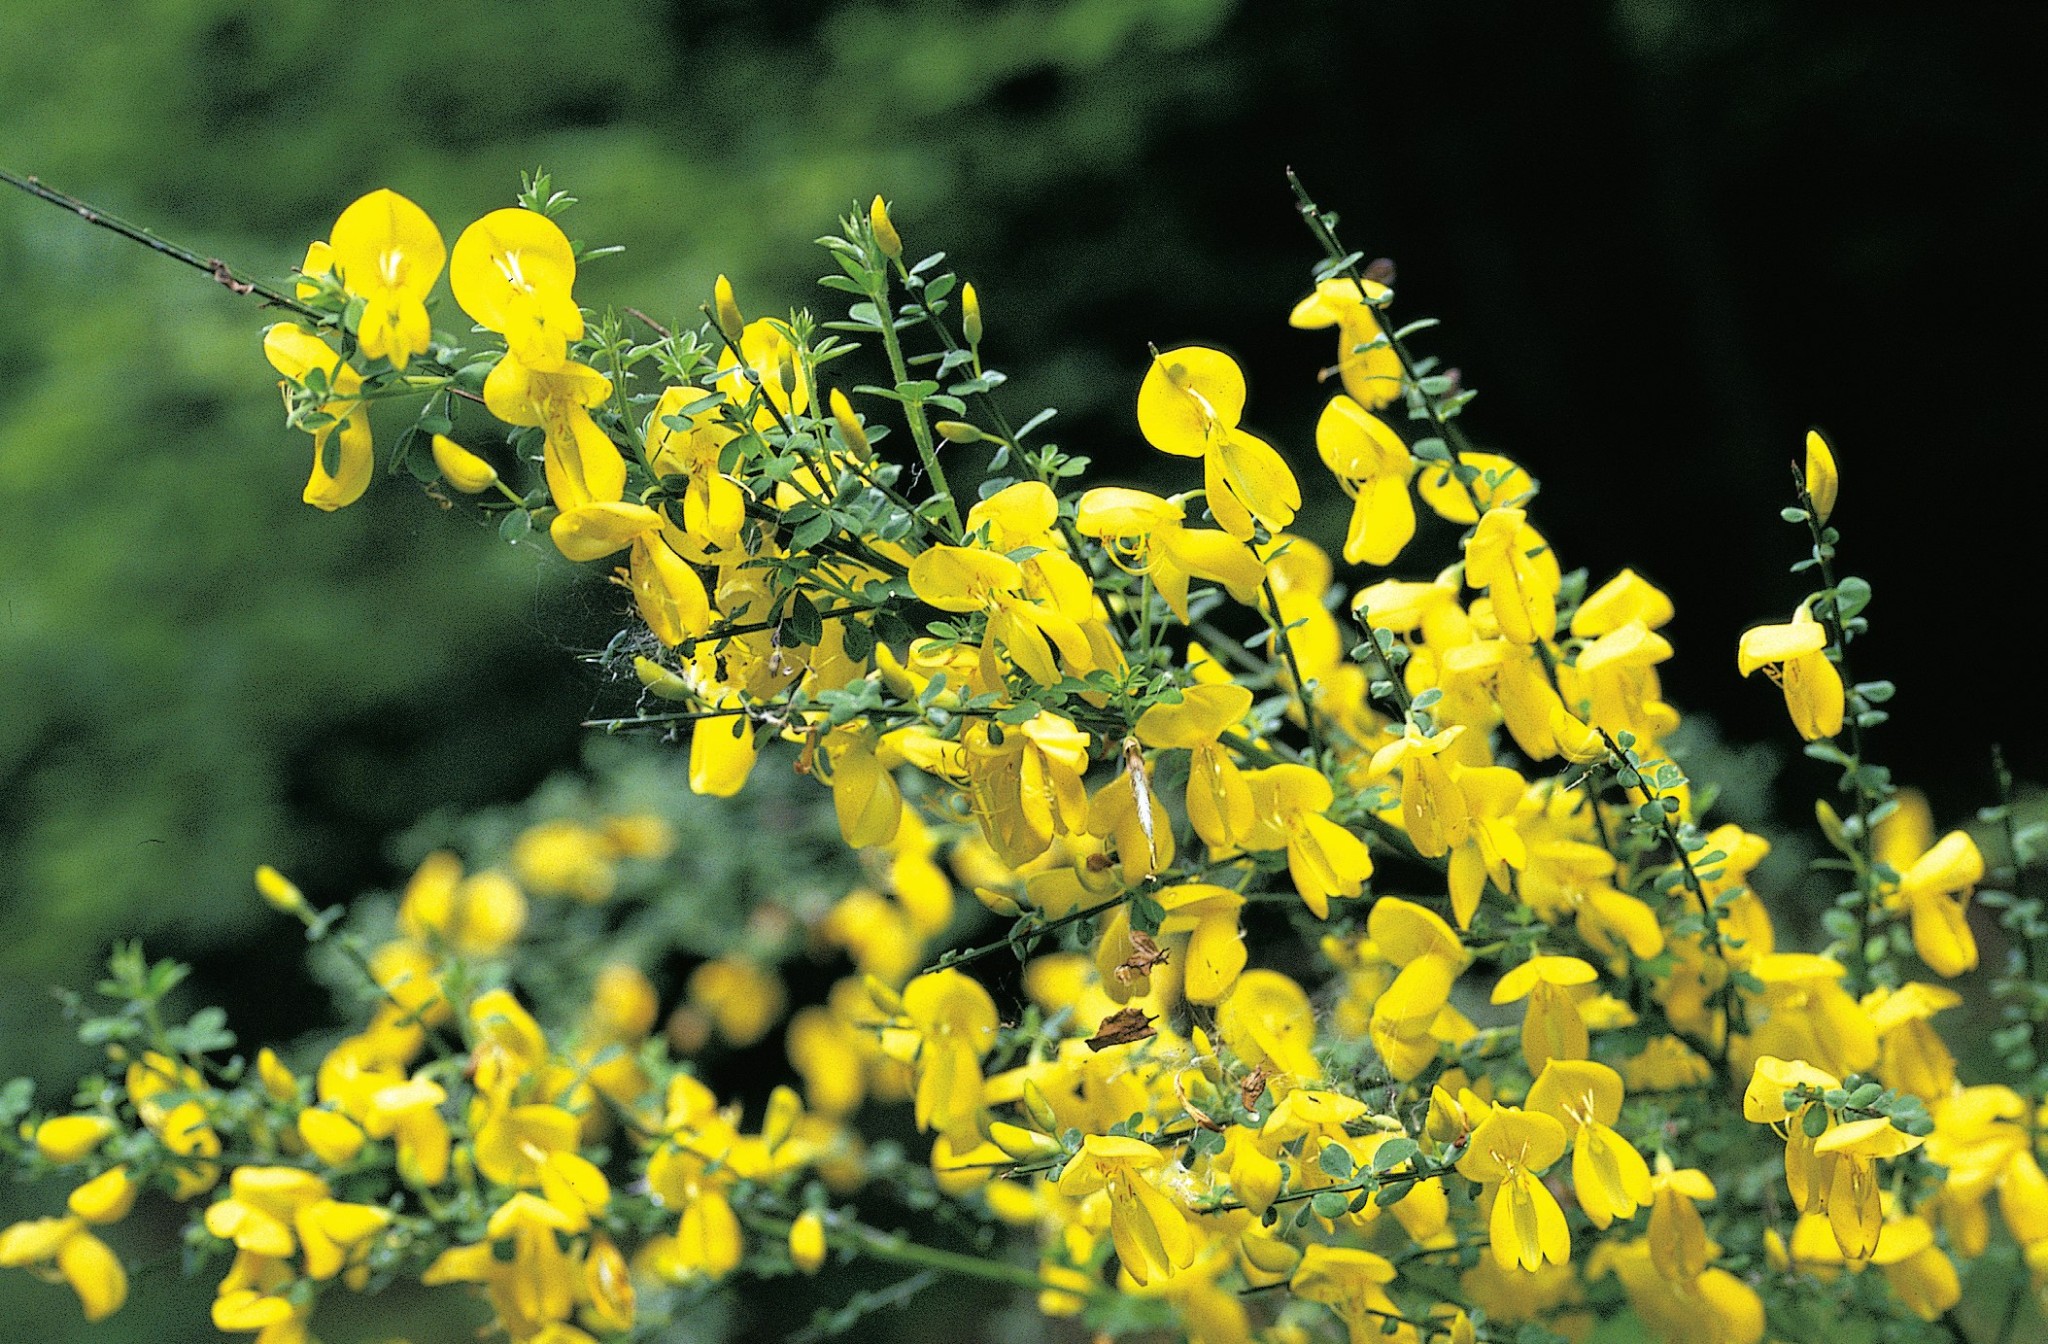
(1794, 655)
(512, 271)
(341, 476)
(388, 253)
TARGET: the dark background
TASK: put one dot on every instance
(1664, 238)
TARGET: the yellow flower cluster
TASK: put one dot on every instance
(1137, 727)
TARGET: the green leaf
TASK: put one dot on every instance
(858, 639)
(1335, 1160)
(1393, 1153)
(1852, 595)
(1330, 1204)
(801, 624)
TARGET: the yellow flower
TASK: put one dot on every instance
(1608, 1174)
(512, 271)
(686, 442)
(61, 1249)
(1027, 788)
(409, 1114)
(1268, 1022)
(581, 465)
(1912, 1056)
(340, 476)
(1215, 952)
(1846, 1159)
(1519, 572)
(1677, 1235)
(1323, 858)
(461, 468)
(1508, 1150)
(258, 1216)
(1373, 465)
(1219, 801)
(1552, 1028)
(565, 858)
(1352, 1283)
(106, 1198)
(955, 1023)
(865, 797)
(1372, 375)
(1935, 890)
(388, 253)
(279, 891)
(668, 592)
(1149, 1230)
(1020, 624)
(66, 1139)
(1624, 598)
(743, 998)
(1405, 1015)
(1795, 656)
(1492, 845)
(330, 1136)
(1432, 807)
(767, 348)
(1189, 405)
(1146, 537)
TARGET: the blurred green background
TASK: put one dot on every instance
(1665, 236)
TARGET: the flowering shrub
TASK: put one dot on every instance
(1380, 969)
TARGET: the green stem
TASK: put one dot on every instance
(1710, 913)
(1448, 432)
(1854, 783)
(878, 1245)
(913, 412)
(1308, 709)
(221, 272)
(1029, 936)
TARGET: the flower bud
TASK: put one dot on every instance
(65, 1139)
(279, 891)
(885, 232)
(850, 431)
(784, 1109)
(330, 1136)
(727, 311)
(461, 468)
(785, 371)
(1025, 1145)
(106, 1198)
(970, 314)
(277, 1079)
(662, 682)
(958, 431)
(883, 997)
(1823, 482)
(807, 1241)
